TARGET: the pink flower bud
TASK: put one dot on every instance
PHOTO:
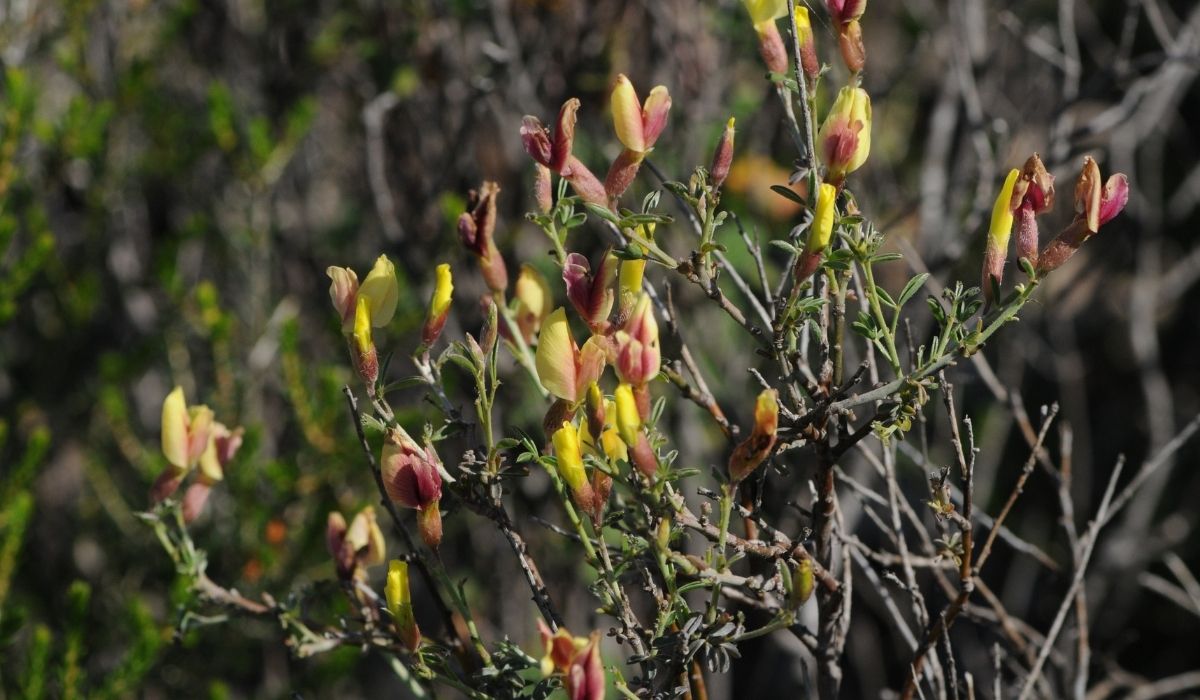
(586, 185)
(771, 48)
(638, 356)
(722, 157)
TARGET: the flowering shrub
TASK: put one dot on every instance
(683, 576)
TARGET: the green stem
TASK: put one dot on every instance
(439, 572)
(522, 353)
(727, 492)
(785, 619)
(877, 312)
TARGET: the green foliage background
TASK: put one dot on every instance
(175, 177)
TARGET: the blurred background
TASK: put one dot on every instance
(175, 177)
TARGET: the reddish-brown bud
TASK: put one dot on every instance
(850, 42)
(722, 157)
(771, 48)
(753, 450)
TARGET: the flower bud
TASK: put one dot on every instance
(569, 464)
(850, 43)
(439, 306)
(343, 292)
(533, 301)
(175, 424)
(808, 44)
(753, 450)
(399, 602)
(722, 157)
(591, 295)
(429, 525)
(843, 11)
(490, 330)
(820, 232)
(629, 420)
(627, 115)
(622, 173)
(638, 356)
(596, 414)
(998, 234)
(642, 456)
(564, 135)
(763, 14)
(543, 190)
(845, 136)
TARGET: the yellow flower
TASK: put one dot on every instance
(555, 357)
(399, 601)
(381, 291)
(627, 115)
(175, 424)
(362, 326)
(765, 11)
(845, 136)
(629, 420)
(442, 291)
(570, 459)
(1002, 213)
(822, 225)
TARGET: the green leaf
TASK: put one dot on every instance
(789, 193)
(784, 245)
(910, 289)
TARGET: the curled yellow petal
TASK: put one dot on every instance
(442, 291)
(362, 326)
(822, 226)
(629, 420)
(175, 429)
(381, 290)
(627, 115)
(556, 356)
(1002, 213)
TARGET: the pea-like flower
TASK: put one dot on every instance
(477, 228)
(820, 232)
(591, 294)
(576, 660)
(564, 369)
(763, 14)
(412, 479)
(998, 234)
(845, 136)
(638, 126)
(638, 356)
(569, 465)
(439, 306)
(553, 154)
(755, 449)
(534, 300)
(722, 156)
(1095, 205)
(357, 546)
(1032, 195)
(399, 602)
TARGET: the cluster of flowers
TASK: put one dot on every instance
(192, 440)
(1028, 193)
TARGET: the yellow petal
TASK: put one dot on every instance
(822, 225)
(629, 420)
(570, 459)
(382, 291)
(614, 445)
(627, 115)
(1002, 213)
(763, 11)
(396, 588)
(533, 292)
(556, 356)
(362, 325)
(441, 292)
(175, 424)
